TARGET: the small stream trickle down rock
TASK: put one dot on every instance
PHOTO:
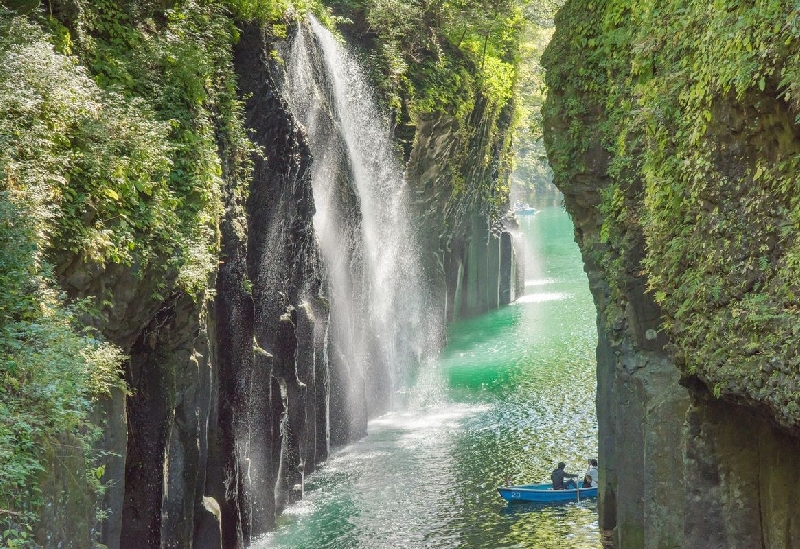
(320, 310)
(230, 403)
(471, 260)
(272, 415)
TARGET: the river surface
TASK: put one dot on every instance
(512, 394)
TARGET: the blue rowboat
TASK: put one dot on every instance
(544, 493)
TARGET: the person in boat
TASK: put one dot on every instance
(558, 476)
(592, 472)
(587, 481)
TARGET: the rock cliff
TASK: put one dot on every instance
(453, 166)
(220, 298)
(674, 150)
(218, 427)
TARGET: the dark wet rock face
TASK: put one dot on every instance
(167, 413)
(268, 319)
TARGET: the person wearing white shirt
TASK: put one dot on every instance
(592, 471)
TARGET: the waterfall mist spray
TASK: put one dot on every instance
(381, 324)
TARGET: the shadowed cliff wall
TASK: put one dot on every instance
(270, 320)
(675, 154)
(471, 262)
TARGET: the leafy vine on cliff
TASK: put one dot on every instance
(697, 119)
(113, 115)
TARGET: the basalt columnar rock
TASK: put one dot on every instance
(270, 320)
(472, 263)
(229, 390)
(673, 149)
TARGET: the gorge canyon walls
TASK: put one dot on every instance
(675, 151)
(237, 391)
(473, 266)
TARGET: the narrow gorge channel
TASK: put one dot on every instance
(259, 288)
(512, 393)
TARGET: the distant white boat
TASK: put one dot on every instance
(523, 209)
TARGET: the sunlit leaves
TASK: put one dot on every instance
(442, 37)
(531, 169)
(270, 11)
(109, 153)
(93, 165)
(50, 371)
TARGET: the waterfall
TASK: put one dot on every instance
(379, 324)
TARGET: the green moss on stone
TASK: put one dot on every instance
(690, 136)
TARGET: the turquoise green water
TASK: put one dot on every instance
(512, 394)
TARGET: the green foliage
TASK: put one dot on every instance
(22, 6)
(447, 51)
(532, 171)
(259, 10)
(271, 11)
(50, 371)
(110, 131)
(123, 182)
(184, 74)
(100, 163)
(451, 60)
(698, 128)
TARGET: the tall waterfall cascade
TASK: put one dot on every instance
(380, 326)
